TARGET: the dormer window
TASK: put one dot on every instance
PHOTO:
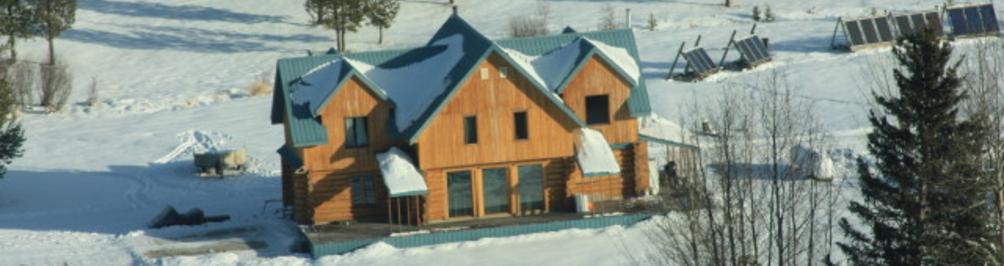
(597, 109)
(356, 135)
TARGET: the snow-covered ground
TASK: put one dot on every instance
(172, 78)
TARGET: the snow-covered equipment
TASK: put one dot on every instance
(911, 23)
(973, 20)
(170, 217)
(221, 163)
(811, 162)
(865, 32)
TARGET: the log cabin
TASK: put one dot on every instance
(463, 127)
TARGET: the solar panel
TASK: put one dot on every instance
(854, 36)
(973, 20)
(989, 17)
(753, 50)
(904, 25)
(884, 29)
(869, 29)
(958, 19)
(699, 61)
(912, 23)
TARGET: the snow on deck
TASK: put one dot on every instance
(400, 175)
(593, 153)
(413, 87)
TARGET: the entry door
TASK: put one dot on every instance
(495, 185)
(461, 200)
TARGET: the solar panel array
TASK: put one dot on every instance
(911, 23)
(868, 31)
(753, 50)
(699, 61)
(973, 20)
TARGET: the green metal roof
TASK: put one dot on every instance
(306, 130)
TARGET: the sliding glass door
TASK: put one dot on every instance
(461, 201)
(495, 185)
(531, 187)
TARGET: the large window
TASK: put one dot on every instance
(495, 188)
(531, 187)
(597, 109)
(471, 129)
(355, 132)
(522, 131)
(362, 191)
(458, 186)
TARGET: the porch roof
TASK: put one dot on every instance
(594, 155)
(400, 175)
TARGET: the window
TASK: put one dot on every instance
(458, 186)
(503, 72)
(485, 73)
(522, 132)
(355, 132)
(471, 130)
(597, 109)
(531, 187)
(362, 191)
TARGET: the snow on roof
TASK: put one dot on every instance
(658, 127)
(400, 175)
(593, 153)
(415, 86)
(554, 67)
(621, 58)
(314, 87)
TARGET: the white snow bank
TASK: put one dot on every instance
(656, 126)
(413, 87)
(593, 153)
(813, 162)
(400, 175)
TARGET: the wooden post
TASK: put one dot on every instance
(408, 203)
(390, 215)
(727, 47)
(833, 41)
(675, 60)
(398, 203)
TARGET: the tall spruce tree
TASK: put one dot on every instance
(926, 204)
(342, 16)
(11, 134)
(381, 14)
(15, 23)
(52, 18)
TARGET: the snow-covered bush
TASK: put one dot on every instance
(261, 86)
(56, 86)
(652, 22)
(768, 16)
(530, 25)
(609, 19)
(756, 13)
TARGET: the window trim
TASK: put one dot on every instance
(353, 144)
(607, 119)
(470, 139)
(526, 125)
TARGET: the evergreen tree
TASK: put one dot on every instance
(11, 134)
(925, 205)
(342, 16)
(381, 14)
(52, 18)
(15, 23)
